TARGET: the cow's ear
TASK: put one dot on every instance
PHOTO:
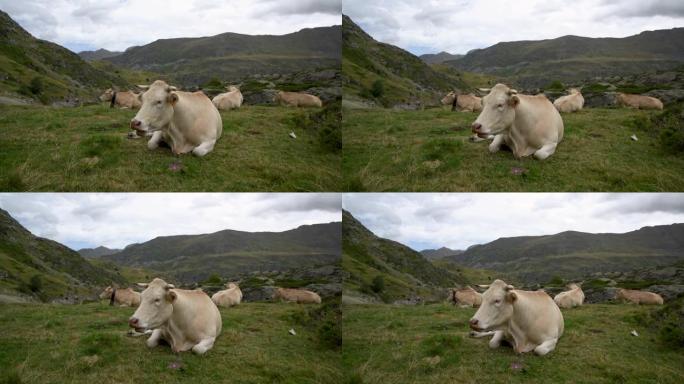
(511, 296)
(143, 87)
(171, 296)
(514, 101)
(169, 286)
(173, 98)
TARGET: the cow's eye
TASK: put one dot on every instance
(157, 300)
(497, 301)
(159, 102)
(499, 105)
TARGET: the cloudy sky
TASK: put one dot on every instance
(118, 24)
(457, 26)
(81, 220)
(459, 220)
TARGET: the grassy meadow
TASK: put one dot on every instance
(88, 344)
(430, 344)
(86, 149)
(387, 150)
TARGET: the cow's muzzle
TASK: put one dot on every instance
(134, 323)
(474, 325)
(477, 129)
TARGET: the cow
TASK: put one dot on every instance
(228, 297)
(466, 103)
(526, 124)
(296, 296)
(573, 297)
(228, 100)
(126, 99)
(297, 99)
(124, 297)
(572, 102)
(529, 321)
(466, 297)
(184, 319)
(638, 297)
(638, 101)
(185, 121)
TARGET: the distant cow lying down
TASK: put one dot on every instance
(228, 100)
(570, 103)
(466, 297)
(639, 101)
(297, 99)
(122, 297)
(184, 319)
(228, 297)
(638, 297)
(573, 297)
(125, 99)
(296, 295)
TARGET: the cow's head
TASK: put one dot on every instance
(232, 88)
(107, 95)
(107, 293)
(231, 285)
(449, 98)
(156, 305)
(498, 111)
(573, 91)
(496, 308)
(156, 111)
(572, 286)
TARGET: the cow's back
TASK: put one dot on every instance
(547, 123)
(197, 117)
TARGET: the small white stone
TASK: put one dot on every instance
(292, 135)
(292, 332)
(633, 137)
(634, 333)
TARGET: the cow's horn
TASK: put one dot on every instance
(512, 92)
(142, 86)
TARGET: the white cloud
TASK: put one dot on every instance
(119, 24)
(459, 220)
(118, 219)
(459, 26)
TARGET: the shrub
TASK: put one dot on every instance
(378, 88)
(213, 83)
(669, 126)
(214, 279)
(669, 321)
(36, 86)
(555, 86)
(378, 284)
(556, 281)
(36, 283)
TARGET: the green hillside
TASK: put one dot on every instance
(195, 257)
(41, 70)
(60, 271)
(575, 58)
(228, 56)
(567, 254)
(405, 78)
(405, 272)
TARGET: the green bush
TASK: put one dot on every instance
(378, 88)
(378, 284)
(213, 83)
(669, 321)
(326, 124)
(668, 125)
(214, 279)
(556, 281)
(36, 86)
(36, 283)
(555, 86)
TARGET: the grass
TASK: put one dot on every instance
(87, 344)
(86, 149)
(429, 150)
(391, 344)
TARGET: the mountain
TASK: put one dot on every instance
(62, 271)
(572, 255)
(575, 58)
(98, 55)
(405, 78)
(194, 61)
(192, 258)
(97, 252)
(438, 58)
(405, 272)
(435, 254)
(45, 71)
